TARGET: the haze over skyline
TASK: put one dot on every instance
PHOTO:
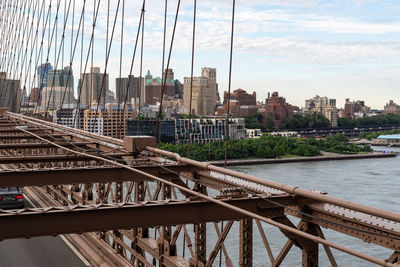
(300, 48)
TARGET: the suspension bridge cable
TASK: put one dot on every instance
(164, 81)
(78, 102)
(35, 47)
(228, 111)
(40, 55)
(91, 44)
(141, 89)
(132, 64)
(191, 78)
(56, 56)
(72, 56)
(119, 84)
(106, 65)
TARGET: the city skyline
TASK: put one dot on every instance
(300, 48)
(344, 49)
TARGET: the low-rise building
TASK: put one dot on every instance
(148, 127)
(110, 121)
(204, 130)
(70, 117)
(253, 133)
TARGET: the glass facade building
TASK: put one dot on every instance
(148, 127)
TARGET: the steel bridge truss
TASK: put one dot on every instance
(142, 206)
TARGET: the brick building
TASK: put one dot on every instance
(277, 109)
(242, 97)
(352, 107)
(391, 107)
(153, 87)
(242, 104)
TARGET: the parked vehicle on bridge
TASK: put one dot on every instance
(11, 198)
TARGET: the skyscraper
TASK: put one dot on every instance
(10, 93)
(90, 86)
(60, 78)
(204, 97)
(135, 88)
(41, 74)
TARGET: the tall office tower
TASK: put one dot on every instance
(60, 78)
(41, 74)
(169, 74)
(10, 93)
(91, 87)
(135, 88)
(56, 97)
(204, 95)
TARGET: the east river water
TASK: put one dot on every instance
(373, 182)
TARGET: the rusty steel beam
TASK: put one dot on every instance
(24, 136)
(42, 145)
(55, 158)
(53, 176)
(56, 221)
(380, 234)
(15, 130)
(282, 187)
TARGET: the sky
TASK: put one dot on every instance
(300, 48)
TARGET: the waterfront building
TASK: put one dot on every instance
(324, 106)
(109, 120)
(391, 107)
(70, 117)
(148, 127)
(392, 139)
(41, 74)
(277, 109)
(253, 133)
(205, 130)
(91, 86)
(352, 109)
(10, 93)
(204, 92)
(56, 97)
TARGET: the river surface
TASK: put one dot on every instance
(373, 182)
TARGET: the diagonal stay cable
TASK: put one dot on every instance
(106, 65)
(131, 67)
(228, 103)
(164, 81)
(73, 50)
(58, 57)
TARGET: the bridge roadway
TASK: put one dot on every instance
(38, 251)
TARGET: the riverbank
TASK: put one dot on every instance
(325, 157)
(373, 142)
